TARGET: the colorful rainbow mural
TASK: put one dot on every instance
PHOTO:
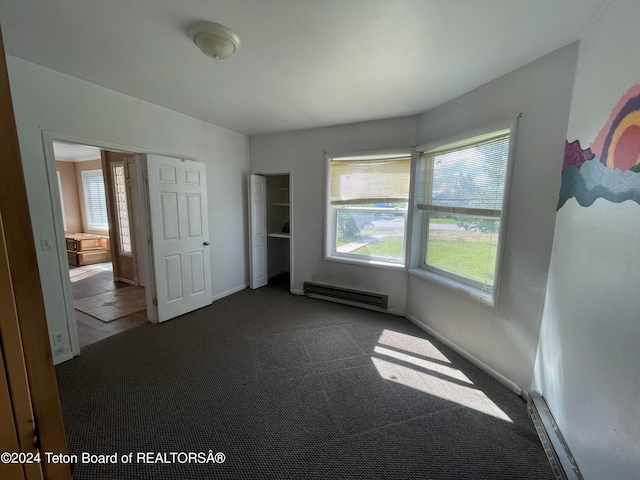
(610, 167)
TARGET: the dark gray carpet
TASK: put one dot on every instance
(289, 387)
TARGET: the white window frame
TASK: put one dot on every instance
(86, 174)
(456, 282)
(116, 204)
(331, 215)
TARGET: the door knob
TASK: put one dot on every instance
(206, 244)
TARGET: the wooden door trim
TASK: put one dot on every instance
(8, 434)
(27, 291)
(9, 418)
(118, 260)
(23, 421)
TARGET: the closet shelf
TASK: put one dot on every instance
(278, 235)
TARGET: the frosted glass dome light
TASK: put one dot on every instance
(215, 40)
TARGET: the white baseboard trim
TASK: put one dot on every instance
(63, 358)
(229, 292)
(125, 280)
(295, 291)
(469, 357)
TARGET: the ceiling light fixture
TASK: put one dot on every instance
(215, 40)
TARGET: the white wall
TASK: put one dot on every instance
(505, 338)
(47, 100)
(304, 153)
(589, 357)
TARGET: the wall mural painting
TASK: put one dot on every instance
(610, 167)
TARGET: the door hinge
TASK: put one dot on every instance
(150, 241)
(155, 301)
(146, 175)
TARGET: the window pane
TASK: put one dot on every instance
(371, 232)
(367, 205)
(95, 200)
(463, 245)
(470, 177)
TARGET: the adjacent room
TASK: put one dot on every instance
(107, 276)
(338, 239)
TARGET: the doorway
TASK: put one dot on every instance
(102, 228)
(172, 248)
(271, 229)
(103, 316)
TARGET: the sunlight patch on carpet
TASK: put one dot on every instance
(422, 367)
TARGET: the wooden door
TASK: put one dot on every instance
(8, 434)
(26, 370)
(9, 441)
(135, 220)
(118, 207)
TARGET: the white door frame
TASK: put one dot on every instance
(145, 231)
(59, 240)
(273, 173)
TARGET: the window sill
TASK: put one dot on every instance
(366, 263)
(470, 292)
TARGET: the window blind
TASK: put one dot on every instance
(95, 200)
(364, 182)
(466, 179)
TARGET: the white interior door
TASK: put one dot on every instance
(180, 235)
(258, 231)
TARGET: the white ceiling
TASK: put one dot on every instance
(75, 153)
(302, 63)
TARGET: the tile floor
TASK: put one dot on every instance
(114, 304)
(94, 281)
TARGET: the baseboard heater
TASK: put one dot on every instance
(562, 463)
(345, 294)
